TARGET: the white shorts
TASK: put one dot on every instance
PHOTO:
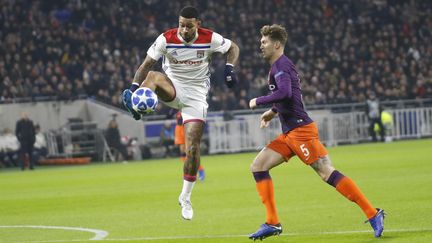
(190, 100)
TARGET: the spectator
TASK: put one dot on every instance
(113, 138)
(9, 146)
(25, 132)
(373, 111)
(387, 121)
(40, 147)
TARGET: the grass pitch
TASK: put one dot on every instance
(137, 201)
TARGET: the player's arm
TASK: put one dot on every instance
(232, 57)
(266, 117)
(143, 70)
(284, 91)
(233, 54)
(232, 51)
(154, 53)
(140, 75)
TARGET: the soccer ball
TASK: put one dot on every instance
(144, 100)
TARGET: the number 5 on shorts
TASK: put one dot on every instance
(304, 150)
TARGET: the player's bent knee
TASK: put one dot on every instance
(256, 166)
(153, 76)
(253, 168)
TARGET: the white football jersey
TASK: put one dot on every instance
(188, 63)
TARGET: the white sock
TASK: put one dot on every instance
(187, 189)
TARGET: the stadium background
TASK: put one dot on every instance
(344, 49)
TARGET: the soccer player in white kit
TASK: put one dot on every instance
(186, 53)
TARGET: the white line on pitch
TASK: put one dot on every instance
(99, 234)
(238, 236)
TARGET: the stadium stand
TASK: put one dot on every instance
(64, 50)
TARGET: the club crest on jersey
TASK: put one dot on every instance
(200, 53)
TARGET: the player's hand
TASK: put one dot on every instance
(230, 76)
(252, 103)
(266, 117)
(127, 102)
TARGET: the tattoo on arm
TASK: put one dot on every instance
(143, 70)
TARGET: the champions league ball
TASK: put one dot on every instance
(144, 100)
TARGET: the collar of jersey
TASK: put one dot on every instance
(190, 42)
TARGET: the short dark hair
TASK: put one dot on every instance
(189, 12)
(275, 32)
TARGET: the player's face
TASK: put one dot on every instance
(188, 28)
(268, 47)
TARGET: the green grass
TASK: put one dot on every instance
(137, 201)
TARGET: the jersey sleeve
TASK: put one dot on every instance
(284, 90)
(220, 44)
(158, 48)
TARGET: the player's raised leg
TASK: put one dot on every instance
(260, 167)
(348, 188)
(156, 81)
(161, 85)
(193, 133)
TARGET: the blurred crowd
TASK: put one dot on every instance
(65, 49)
